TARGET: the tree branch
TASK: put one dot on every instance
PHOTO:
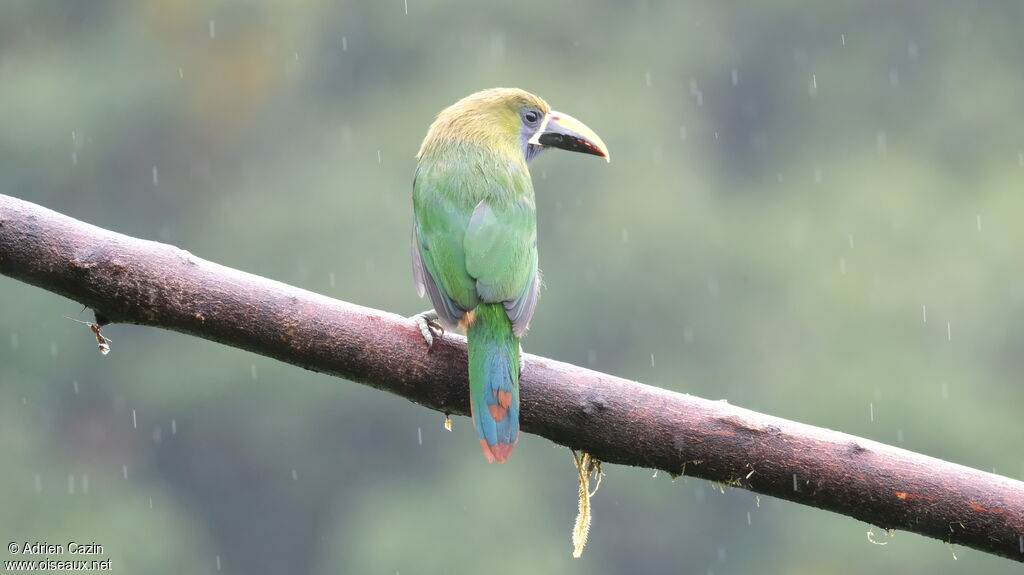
(129, 280)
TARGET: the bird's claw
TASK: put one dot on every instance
(429, 326)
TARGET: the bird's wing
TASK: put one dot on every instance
(438, 260)
(501, 253)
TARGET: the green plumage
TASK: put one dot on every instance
(475, 237)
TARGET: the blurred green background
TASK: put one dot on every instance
(813, 211)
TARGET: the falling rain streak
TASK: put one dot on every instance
(213, 29)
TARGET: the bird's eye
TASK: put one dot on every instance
(531, 116)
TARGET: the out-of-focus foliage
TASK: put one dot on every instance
(814, 210)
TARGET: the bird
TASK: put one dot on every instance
(474, 239)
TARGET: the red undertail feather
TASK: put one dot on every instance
(498, 452)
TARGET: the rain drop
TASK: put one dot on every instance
(150, 502)
(213, 29)
(406, 7)
(652, 360)
(812, 88)
(174, 427)
(871, 412)
(85, 483)
(156, 177)
(978, 218)
(795, 487)
(912, 50)
(37, 481)
(181, 73)
(625, 236)
(735, 76)
(295, 474)
(748, 518)
(949, 332)
(378, 157)
(682, 136)
(944, 390)
(851, 241)
(419, 435)
(899, 435)
(74, 384)
(881, 142)
(647, 78)
(135, 421)
(218, 562)
(1020, 159)
(842, 265)
(252, 371)
(817, 175)
(124, 471)
(71, 484)
(843, 38)
(53, 349)
(344, 43)
(331, 279)
(498, 45)
(924, 313)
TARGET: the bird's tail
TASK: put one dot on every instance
(494, 380)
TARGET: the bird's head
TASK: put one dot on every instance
(513, 121)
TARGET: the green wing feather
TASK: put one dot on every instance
(476, 238)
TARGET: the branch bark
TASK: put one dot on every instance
(130, 280)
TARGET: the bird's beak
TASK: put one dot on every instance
(560, 130)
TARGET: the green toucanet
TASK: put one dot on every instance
(475, 238)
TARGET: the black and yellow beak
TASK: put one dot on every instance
(559, 130)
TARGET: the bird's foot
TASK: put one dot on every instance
(429, 326)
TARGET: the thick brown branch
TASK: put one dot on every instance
(618, 421)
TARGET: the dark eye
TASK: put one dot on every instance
(531, 116)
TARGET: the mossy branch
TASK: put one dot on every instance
(130, 280)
